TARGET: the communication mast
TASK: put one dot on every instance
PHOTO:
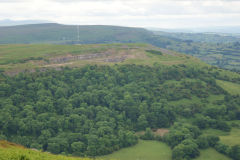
(78, 36)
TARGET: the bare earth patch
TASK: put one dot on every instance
(157, 132)
(161, 132)
(58, 65)
(109, 56)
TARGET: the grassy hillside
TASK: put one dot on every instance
(11, 151)
(232, 88)
(17, 58)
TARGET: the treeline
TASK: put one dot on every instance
(186, 140)
(96, 110)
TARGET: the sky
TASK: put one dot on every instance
(134, 13)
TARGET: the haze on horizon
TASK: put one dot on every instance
(134, 13)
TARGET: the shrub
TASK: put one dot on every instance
(202, 142)
(222, 148)
(186, 150)
(148, 135)
(235, 152)
(212, 140)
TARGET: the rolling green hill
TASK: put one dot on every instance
(17, 58)
(92, 100)
(57, 33)
(218, 50)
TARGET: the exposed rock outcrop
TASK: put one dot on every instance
(115, 59)
(78, 57)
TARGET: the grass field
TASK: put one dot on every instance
(144, 150)
(230, 138)
(215, 132)
(211, 154)
(230, 87)
(153, 150)
(233, 138)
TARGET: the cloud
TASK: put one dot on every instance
(13, 1)
(154, 13)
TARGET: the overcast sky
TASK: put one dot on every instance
(138, 13)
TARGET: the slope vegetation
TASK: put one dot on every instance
(17, 58)
(17, 152)
(98, 96)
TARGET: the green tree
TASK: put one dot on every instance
(202, 142)
(235, 152)
(212, 140)
(222, 148)
(54, 148)
(186, 150)
(142, 122)
(148, 135)
(78, 148)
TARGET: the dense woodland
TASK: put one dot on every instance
(96, 110)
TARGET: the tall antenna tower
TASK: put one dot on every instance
(78, 36)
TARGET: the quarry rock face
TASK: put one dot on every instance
(117, 59)
(78, 57)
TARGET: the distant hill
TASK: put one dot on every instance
(89, 34)
(56, 33)
(201, 37)
(222, 50)
(218, 29)
(8, 22)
